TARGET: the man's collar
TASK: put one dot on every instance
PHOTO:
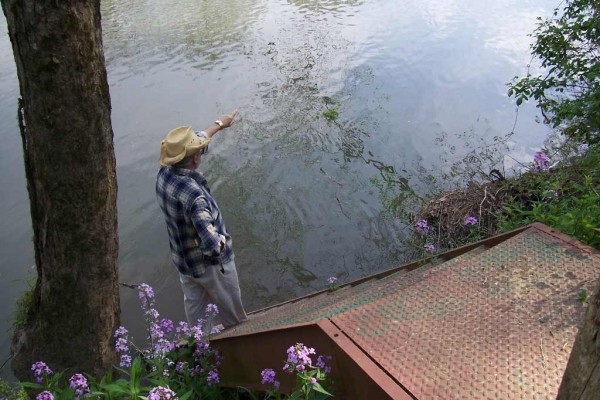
(197, 176)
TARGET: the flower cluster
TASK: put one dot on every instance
(541, 162)
(422, 227)
(212, 378)
(45, 395)
(308, 375)
(79, 384)
(146, 295)
(298, 358)
(162, 393)
(429, 247)
(212, 310)
(322, 362)
(40, 371)
(157, 329)
(268, 377)
(165, 340)
(174, 356)
(471, 221)
(122, 347)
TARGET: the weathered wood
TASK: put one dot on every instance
(581, 380)
(64, 117)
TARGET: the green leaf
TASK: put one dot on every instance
(295, 395)
(187, 395)
(31, 385)
(317, 387)
(116, 388)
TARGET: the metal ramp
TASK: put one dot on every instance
(491, 320)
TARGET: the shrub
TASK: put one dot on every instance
(568, 91)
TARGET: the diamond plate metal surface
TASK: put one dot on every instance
(498, 325)
(493, 323)
(329, 304)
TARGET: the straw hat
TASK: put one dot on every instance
(181, 142)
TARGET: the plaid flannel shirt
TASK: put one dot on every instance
(197, 234)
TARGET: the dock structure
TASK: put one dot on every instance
(492, 320)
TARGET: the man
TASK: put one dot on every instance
(201, 248)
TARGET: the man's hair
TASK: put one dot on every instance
(186, 162)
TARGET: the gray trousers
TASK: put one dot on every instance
(217, 285)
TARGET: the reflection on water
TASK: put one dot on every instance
(304, 198)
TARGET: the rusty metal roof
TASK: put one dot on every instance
(492, 322)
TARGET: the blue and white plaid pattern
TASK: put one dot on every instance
(197, 234)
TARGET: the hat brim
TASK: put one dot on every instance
(191, 148)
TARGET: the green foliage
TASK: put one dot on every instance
(177, 363)
(23, 306)
(568, 93)
(331, 114)
(11, 392)
(566, 199)
(583, 295)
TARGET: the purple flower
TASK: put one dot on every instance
(180, 366)
(312, 380)
(471, 221)
(197, 332)
(145, 292)
(298, 358)
(422, 227)
(212, 377)
(45, 395)
(125, 361)
(183, 328)
(79, 384)
(156, 331)
(40, 371)
(268, 377)
(161, 393)
(322, 363)
(167, 325)
(152, 314)
(121, 345)
(541, 162)
(332, 280)
(212, 310)
(162, 347)
(430, 248)
(121, 331)
(146, 295)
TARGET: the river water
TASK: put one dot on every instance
(416, 85)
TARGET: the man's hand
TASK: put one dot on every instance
(227, 119)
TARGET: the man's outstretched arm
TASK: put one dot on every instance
(224, 121)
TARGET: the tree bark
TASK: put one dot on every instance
(64, 118)
(581, 380)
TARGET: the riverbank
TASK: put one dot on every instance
(563, 195)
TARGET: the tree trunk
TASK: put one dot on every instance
(64, 116)
(581, 380)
